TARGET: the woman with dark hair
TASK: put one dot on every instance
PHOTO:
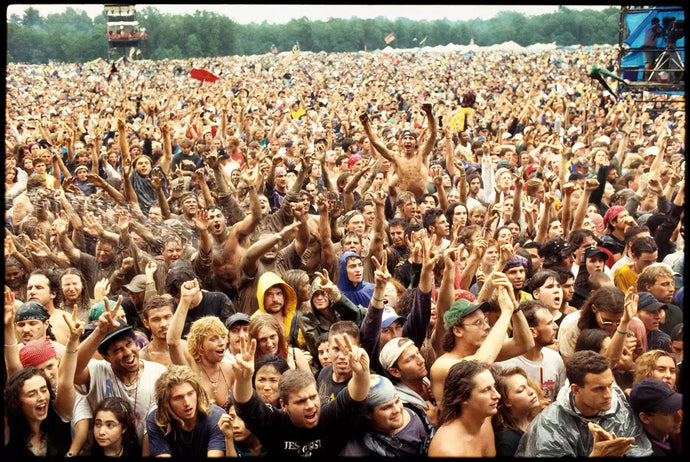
(456, 214)
(609, 309)
(267, 372)
(521, 401)
(33, 427)
(114, 430)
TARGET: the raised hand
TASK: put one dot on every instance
(381, 274)
(76, 327)
(479, 248)
(10, 309)
(358, 358)
(123, 220)
(364, 118)
(326, 284)
(156, 179)
(127, 264)
(150, 269)
(201, 220)
(591, 185)
(107, 322)
(243, 366)
(93, 225)
(189, 290)
(225, 426)
(101, 289)
(95, 180)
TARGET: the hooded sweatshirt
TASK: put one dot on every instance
(561, 431)
(268, 280)
(361, 293)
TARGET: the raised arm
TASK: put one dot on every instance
(431, 140)
(581, 209)
(65, 396)
(188, 291)
(107, 322)
(375, 142)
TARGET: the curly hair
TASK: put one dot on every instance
(14, 412)
(459, 386)
(263, 320)
(202, 329)
(173, 376)
(122, 410)
(646, 363)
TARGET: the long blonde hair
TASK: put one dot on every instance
(177, 375)
(201, 330)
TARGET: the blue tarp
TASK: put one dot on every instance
(637, 23)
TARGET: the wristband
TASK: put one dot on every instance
(621, 332)
(376, 299)
(71, 351)
(11, 345)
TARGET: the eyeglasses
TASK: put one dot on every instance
(605, 324)
(479, 323)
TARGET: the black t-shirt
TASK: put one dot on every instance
(327, 388)
(212, 304)
(338, 422)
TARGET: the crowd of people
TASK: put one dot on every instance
(362, 254)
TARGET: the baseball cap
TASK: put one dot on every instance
(649, 302)
(289, 143)
(389, 317)
(391, 351)
(137, 284)
(408, 133)
(604, 139)
(460, 309)
(235, 318)
(122, 331)
(504, 164)
(612, 213)
(595, 251)
(578, 145)
(353, 160)
(651, 151)
(654, 395)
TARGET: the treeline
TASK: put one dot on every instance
(74, 37)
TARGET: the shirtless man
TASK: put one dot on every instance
(157, 314)
(469, 402)
(468, 335)
(412, 168)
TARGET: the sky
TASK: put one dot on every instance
(257, 13)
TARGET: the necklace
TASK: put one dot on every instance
(214, 383)
(127, 389)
